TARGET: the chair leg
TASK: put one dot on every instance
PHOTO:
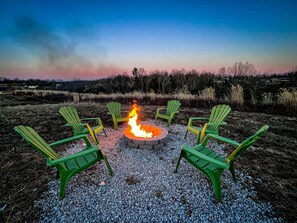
(178, 162)
(96, 139)
(186, 134)
(63, 183)
(231, 168)
(216, 182)
(57, 175)
(168, 122)
(104, 132)
(198, 138)
(107, 164)
(115, 123)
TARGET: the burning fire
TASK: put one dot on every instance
(137, 129)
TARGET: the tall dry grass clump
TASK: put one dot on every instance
(42, 93)
(183, 94)
(267, 98)
(237, 96)
(207, 94)
(76, 98)
(288, 98)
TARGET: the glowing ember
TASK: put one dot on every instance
(137, 129)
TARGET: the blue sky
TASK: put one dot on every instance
(93, 39)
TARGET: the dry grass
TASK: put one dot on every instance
(267, 98)
(43, 93)
(207, 94)
(24, 175)
(285, 104)
(237, 96)
(288, 98)
(79, 97)
(183, 94)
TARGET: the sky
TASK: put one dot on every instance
(94, 39)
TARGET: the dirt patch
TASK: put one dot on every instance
(132, 180)
(159, 193)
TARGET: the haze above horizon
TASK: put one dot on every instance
(92, 39)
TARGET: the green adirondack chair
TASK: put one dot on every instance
(215, 121)
(212, 164)
(114, 109)
(71, 117)
(170, 111)
(67, 166)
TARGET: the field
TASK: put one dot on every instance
(24, 175)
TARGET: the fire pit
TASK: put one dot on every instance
(156, 142)
(143, 136)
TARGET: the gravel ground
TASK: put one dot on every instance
(145, 189)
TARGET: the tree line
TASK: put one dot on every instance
(177, 81)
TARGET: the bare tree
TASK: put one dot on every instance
(294, 69)
(163, 80)
(241, 69)
(222, 71)
(192, 80)
(141, 74)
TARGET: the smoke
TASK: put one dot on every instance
(56, 53)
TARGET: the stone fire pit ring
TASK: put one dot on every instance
(156, 142)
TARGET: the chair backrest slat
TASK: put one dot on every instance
(114, 108)
(172, 106)
(31, 136)
(71, 116)
(247, 143)
(218, 115)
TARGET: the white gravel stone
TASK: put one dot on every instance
(157, 195)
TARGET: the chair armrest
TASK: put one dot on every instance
(205, 128)
(99, 122)
(112, 115)
(216, 123)
(126, 113)
(160, 109)
(204, 157)
(70, 139)
(173, 113)
(82, 124)
(50, 162)
(220, 138)
(90, 118)
(196, 119)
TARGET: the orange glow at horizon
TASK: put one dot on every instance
(136, 129)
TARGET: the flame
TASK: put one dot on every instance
(137, 129)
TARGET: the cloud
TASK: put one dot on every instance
(56, 53)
